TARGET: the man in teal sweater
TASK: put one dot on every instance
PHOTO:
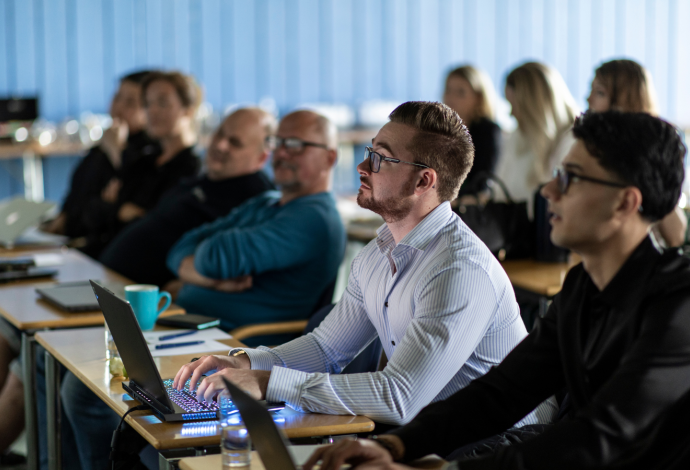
(271, 258)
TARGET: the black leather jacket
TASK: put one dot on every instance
(624, 356)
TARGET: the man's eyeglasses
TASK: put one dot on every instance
(375, 160)
(564, 178)
(292, 145)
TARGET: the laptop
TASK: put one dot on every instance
(75, 296)
(145, 383)
(273, 448)
(17, 215)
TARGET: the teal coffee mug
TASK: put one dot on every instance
(145, 300)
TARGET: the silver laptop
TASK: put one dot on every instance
(17, 215)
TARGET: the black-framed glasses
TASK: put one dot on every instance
(376, 158)
(292, 145)
(564, 178)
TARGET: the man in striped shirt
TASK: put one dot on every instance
(427, 287)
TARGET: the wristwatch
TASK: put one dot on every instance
(236, 352)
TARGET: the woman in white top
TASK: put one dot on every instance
(545, 111)
(626, 86)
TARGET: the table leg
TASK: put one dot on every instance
(28, 355)
(33, 176)
(53, 411)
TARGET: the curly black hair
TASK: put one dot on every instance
(642, 150)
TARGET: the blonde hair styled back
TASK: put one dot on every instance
(544, 110)
(481, 85)
(629, 86)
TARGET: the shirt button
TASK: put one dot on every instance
(386, 304)
(393, 343)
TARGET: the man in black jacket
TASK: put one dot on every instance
(234, 163)
(617, 337)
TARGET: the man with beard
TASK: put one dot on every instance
(427, 287)
(271, 258)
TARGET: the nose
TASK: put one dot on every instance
(550, 190)
(363, 168)
(221, 144)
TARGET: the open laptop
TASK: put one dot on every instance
(17, 215)
(145, 383)
(76, 296)
(273, 448)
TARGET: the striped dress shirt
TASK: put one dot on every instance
(443, 308)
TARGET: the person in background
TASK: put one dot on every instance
(545, 111)
(273, 257)
(124, 140)
(617, 335)
(170, 100)
(470, 93)
(234, 173)
(624, 85)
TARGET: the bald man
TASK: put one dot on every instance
(271, 258)
(234, 173)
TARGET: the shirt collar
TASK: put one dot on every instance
(420, 236)
(631, 280)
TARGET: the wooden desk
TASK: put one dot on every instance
(83, 353)
(545, 279)
(20, 305)
(215, 462)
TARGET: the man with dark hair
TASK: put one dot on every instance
(234, 162)
(617, 336)
(427, 287)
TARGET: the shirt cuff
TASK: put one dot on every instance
(260, 360)
(286, 385)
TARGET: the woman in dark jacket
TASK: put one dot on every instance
(171, 100)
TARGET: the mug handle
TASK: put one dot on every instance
(167, 303)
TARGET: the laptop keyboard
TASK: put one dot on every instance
(186, 399)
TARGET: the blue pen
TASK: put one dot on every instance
(178, 345)
(176, 335)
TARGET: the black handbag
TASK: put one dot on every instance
(503, 226)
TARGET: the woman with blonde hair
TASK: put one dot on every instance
(470, 93)
(545, 111)
(626, 86)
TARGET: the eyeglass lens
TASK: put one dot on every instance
(374, 160)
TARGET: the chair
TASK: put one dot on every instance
(295, 327)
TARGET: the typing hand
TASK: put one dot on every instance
(254, 382)
(237, 284)
(362, 453)
(205, 365)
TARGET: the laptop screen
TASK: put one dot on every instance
(131, 344)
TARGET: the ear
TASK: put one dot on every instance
(331, 158)
(426, 181)
(263, 158)
(630, 202)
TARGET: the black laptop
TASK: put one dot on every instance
(145, 383)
